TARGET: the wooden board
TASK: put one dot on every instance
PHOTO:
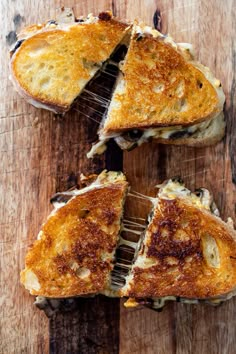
(41, 154)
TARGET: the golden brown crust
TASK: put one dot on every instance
(176, 247)
(162, 88)
(53, 65)
(74, 253)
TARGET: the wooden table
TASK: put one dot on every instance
(41, 154)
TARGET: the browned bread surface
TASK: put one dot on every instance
(53, 66)
(187, 252)
(160, 88)
(74, 255)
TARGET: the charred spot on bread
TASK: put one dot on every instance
(199, 84)
(105, 16)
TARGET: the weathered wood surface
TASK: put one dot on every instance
(41, 154)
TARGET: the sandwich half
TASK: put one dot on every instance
(51, 63)
(162, 93)
(188, 253)
(74, 252)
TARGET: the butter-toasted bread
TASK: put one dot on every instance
(161, 86)
(187, 251)
(55, 61)
(75, 248)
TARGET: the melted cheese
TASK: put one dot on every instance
(155, 133)
(172, 189)
(161, 132)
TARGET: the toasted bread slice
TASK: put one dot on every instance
(55, 61)
(75, 248)
(163, 94)
(161, 86)
(188, 251)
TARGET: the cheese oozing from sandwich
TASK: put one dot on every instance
(162, 93)
(188, 253)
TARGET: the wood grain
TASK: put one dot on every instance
(92, 327)
(26, 181)
(42, 154)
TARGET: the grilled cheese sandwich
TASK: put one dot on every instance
(188, 253)
(162, 93)
(52, 63)
(74, 252)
